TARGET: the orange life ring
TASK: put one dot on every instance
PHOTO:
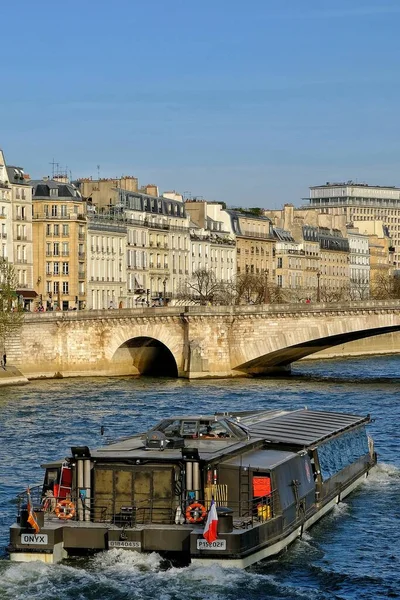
(65, 509)
(192, 510)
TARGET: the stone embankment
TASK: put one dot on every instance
(10, 375)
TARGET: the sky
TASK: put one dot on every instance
(249, 102)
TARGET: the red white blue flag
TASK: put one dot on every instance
(31, 513)
(210, 530)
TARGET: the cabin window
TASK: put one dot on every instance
(337, 453)
(189, 428)
(172, 429)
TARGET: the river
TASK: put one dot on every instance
(353, 553)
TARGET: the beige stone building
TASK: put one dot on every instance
(16, 228)
(381, 251)
(6, 222)
(158, 246)
(361, 202)
(104, 193)
(213, 245)
(290, 265)
(106, 262)
(59, 234)
(255, 244)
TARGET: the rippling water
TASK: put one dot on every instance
(354, 553)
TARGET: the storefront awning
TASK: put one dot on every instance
(27, 294)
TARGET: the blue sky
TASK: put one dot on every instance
(245, 102)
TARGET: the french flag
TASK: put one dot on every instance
(210, 530)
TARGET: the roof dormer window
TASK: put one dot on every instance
(53, 192)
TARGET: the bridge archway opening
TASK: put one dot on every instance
(147, 356)
(283, 358)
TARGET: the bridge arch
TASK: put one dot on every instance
(144, 355)
(286, 355)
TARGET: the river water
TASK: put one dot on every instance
(353, 553)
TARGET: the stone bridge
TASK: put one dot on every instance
(191, 342)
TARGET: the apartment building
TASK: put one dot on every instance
(333, 276)
(381, 251)
(213, 245)
(359, 258)
(290, 263)
(104, 193)
(158, 246)
(59, 249)
(361, 202)
(106, 264)
(255, 243)
(16, 244)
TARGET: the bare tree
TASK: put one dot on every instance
(203, 287)
(11, 315)
(252, 288)
(385, 286)
(333, 294)
(359, 289)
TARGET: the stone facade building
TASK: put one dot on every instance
(104, 193)
(255, 243)
(213, 244)
(16, 242)
(59, 250)
(361, 202)
(359, 263)
(106, 264)
(158, 246)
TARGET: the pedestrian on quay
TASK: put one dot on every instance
(4, 360)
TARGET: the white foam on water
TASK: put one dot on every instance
(119, 559)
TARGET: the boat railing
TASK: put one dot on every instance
(122, 513)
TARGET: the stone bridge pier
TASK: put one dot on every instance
(191, 342)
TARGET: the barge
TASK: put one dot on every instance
(263, 477)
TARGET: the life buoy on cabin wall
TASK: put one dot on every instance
(65, 509)
(195, 513)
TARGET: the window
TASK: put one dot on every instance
(65, 229)
(54, 210)
(56, 287)
(48, 268)
(48, 229)
(56, 249)
(56, 268)
(64, 210)
(65, 249)
(65, 268)
(56, 230)
(65, 287)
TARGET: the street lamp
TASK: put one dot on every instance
(165, 287)
(266, 290)
(318, 287)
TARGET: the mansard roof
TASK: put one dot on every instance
(157, 205)
(42, 189)
(16, 175)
